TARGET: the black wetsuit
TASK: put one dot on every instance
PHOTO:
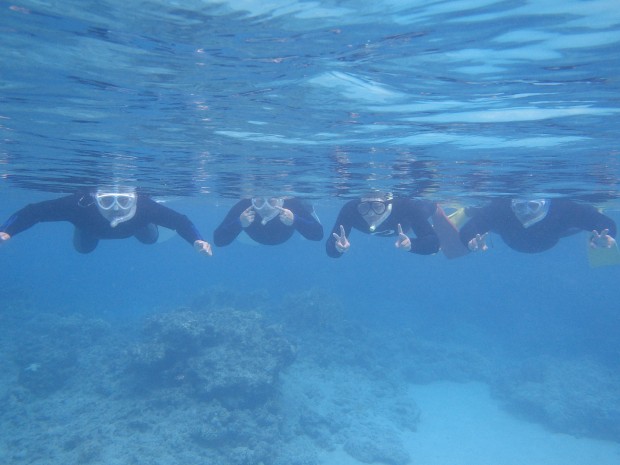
(564, 218)
(412, 215)
(274, 232)
(90, 226)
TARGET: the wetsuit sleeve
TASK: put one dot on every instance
(62, 209)
(345, 218)
(305, 222)
(426, 241)
(231, 227)
(163, 216)
(588, 218)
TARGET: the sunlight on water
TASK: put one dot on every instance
(184, 89)
(512, 114)
(354, 88)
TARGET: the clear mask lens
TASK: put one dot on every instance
(267, 208)
(109, 201)
(530, 212)
(530, 207)
(376, 206)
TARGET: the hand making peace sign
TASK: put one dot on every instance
(403, 241)
(342, 243)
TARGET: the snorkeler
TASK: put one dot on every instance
(269, 221)
(536, 225)
(383, 215)
(106, 213)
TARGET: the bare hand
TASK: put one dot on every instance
(4, 237)
(286, 216)
(602, 240)
(203, 247)
(478, 243)
(342, 243)
(403, 241)
(247, 217)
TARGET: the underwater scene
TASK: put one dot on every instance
(322, 232)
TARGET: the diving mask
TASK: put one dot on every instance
(377, 206)
(267, 208)
(530, 212)
(116, 207)
(374, 211)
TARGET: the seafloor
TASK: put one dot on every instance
(293, 383)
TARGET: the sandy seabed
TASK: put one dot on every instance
(461, 424)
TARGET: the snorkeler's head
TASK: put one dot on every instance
(267, 207)
(530, 212)
(375, 209)
(116, 204)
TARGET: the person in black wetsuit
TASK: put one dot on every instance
(269, 221)
(107, 213)
(383, 215)
(533, 226)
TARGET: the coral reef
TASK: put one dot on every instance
(200, 386)
(292, 384)
(311, 311)
(48, 361)
(223, 354)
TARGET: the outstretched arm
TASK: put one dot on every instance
(61, 209)
(171, 219)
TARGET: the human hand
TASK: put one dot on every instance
(286, 216)
(602, 240)
(4, 237)
(403, 241)
(478, 243)
(203, 247)
(342, 243)
(247, 217)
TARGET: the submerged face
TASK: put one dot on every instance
(374, 210)
(267, 207)
(530, 212)
(116, 205)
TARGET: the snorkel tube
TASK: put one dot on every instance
(121, 219)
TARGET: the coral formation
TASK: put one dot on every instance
(290, 384)
(224, 354)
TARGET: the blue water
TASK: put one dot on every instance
(200, 103)
(443, 99)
